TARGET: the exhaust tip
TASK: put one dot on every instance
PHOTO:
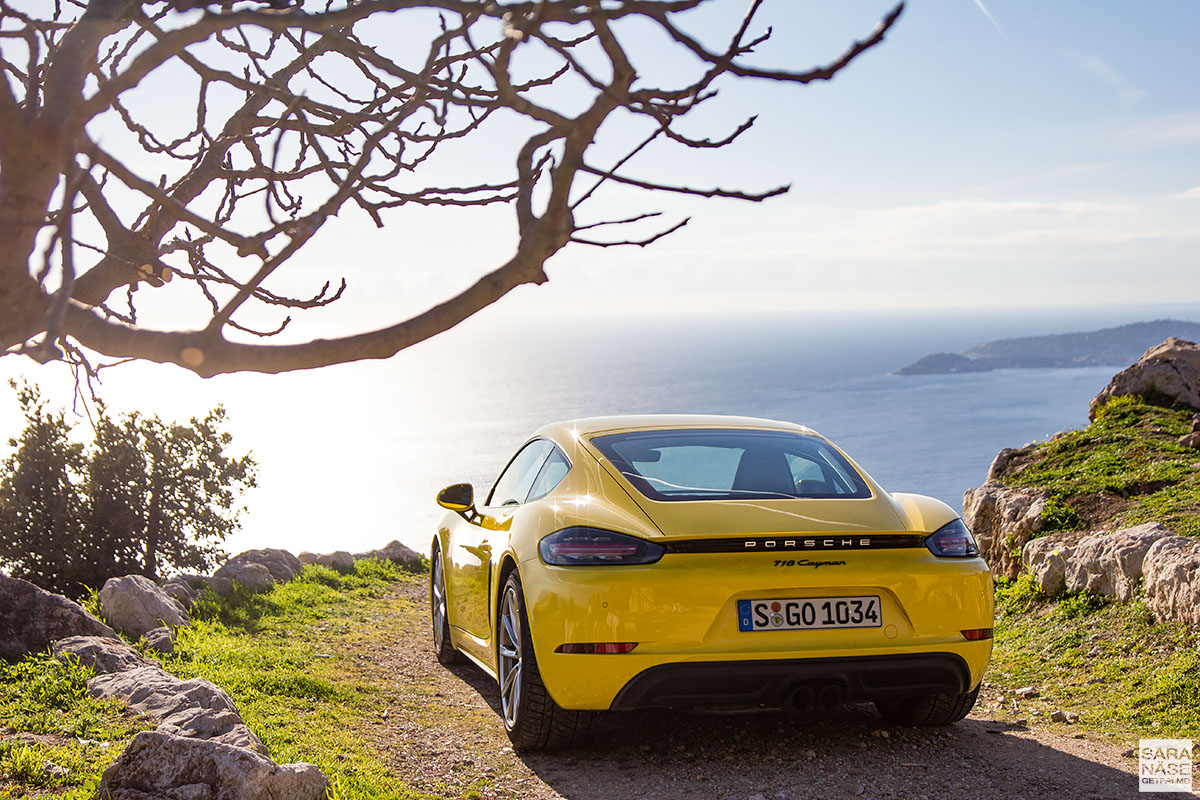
(802, 700)
(830, 697)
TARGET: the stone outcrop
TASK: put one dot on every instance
(195, 708)
(102, 654)
(32, 619)
(1002, 521)
(135, 604)
(252, 576)
(282, 565)
(180, 591)
(159, 765)
(160, 639)
(341, 561)
(1109, 564)
(393, 551)
(307, 558)
(1168, 374)
(1171, 572)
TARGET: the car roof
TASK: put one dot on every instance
(589, 426)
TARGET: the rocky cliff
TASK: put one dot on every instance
(1102, 509)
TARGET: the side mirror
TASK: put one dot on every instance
(460, 497)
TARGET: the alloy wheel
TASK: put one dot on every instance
(510, 657)
(438, 605)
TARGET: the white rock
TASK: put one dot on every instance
(181, 591)
(393, 551)
(1003, 520)
(1171, 572)
(1111, 564)
(159, 765)
(1167, 374)
(134, 604)
(194, 708)
(282, 565)
(341, 561)
(160, 639)
(254, 577)
(101, 653)
(1107, 564)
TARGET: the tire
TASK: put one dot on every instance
(443, 646)
(532, 719)
(933, 709)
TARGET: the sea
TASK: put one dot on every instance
(351, 457)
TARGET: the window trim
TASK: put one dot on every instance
(553, 446)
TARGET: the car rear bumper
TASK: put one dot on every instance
(775, 683)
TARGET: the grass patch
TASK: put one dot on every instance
(1127, 676)
(301, 696)
(55, 737)
(1131, 451)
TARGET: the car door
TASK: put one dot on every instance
(469, 573)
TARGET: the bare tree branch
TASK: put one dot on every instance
(293, 115)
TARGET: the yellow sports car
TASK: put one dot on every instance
(719, 562)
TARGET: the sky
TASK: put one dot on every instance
(988, 155)
(994, 155)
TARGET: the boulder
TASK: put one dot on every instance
(1111, 564)
(1003, 520)
(341, 561)
(160, 639)
(1046, 560)
(307, 558)
(160, 765)
(1107, 564)
(195, 708)
(1010, 459)
(254, 577)
(1168, 374)
(1171, 573)
(134, 604)
(180, 591)
(282, 565)
(393, 551)
(31, 619)
(102, 654)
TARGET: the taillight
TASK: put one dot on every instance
(580, 546)
(952, 540)
(977, 634)
(602, 648)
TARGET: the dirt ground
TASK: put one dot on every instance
(440, 728)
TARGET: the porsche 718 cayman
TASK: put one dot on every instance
(720, 562)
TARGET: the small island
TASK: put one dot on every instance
(1105, 347)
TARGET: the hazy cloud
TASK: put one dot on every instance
(1127, 92)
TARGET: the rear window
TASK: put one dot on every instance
(731, 465)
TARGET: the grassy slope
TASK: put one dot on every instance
(276, 654)
(1127, 676)
(1128, 461)
(69, 737)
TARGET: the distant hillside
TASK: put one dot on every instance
(1107, 347)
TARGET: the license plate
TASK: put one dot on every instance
(807, 613)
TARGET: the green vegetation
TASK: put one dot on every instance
(1127, 676)
(276, 654)
(1126, 468)
(307, 702)
(143, 495)
(62, 739)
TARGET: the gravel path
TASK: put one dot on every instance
(440, 728)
